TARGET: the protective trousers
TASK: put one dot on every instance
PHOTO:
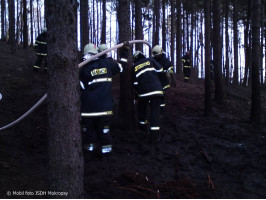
(38, 62)
(154, 102)
(186, 73)
(97, 132)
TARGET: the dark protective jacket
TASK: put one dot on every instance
(41, 44)
(167, 68)
(186, 60)
(145, 76)
(96, 84)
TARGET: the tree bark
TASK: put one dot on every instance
(235, 20)
(255, 100)
(126, 91)
(217, 52)
(207, 13)
(3, 16)
(163, 27)
(103, 36)
(25, 25)
(172, 46)
(138, 24)
(31, 23)
(84, 26)
(178, 38)
(66, 159)
(247, 44)
(11, 40)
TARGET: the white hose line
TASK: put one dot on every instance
(80, 65)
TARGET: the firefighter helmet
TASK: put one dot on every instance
(102, 47)
(137, 53)
(90, 48)
(44, 29)
(157, 50)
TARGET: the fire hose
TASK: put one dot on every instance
(80, 65)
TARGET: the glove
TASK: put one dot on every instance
(124, 51)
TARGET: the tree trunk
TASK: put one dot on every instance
(235, 20)
(126, 91)
(66, 159)
(31, 23)
(84, 26)
(11, 40)
(217, 51)
(178, 38)
(247, 44)
(172, 31)
(163, 27)
(255, 100)
(38, 21)
(25, 25)
(138, 24)
(3, 16)
(207, 13)
(156, 23)
(226, 42)
(103, 36)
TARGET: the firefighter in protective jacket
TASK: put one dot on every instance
(96, 98)
(168, 70)
(186, 60)
(149, 90)
(40, 48)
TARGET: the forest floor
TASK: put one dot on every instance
(222, 156)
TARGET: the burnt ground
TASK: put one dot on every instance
(222, 156)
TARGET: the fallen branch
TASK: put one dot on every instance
(210, 183)
(131, 189)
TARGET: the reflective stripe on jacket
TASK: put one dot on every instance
(145, 77)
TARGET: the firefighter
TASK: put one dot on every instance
(96, 98)
(40, 48)
(186, 60)
(168, 70)
(149, 90)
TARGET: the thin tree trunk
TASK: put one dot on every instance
(163, 27)
(261, 43)
(11, 11)
(25, 25)
(84, 26)
(178, 38)
(126, 90)
(3, 16)
(103, 36)
(235, 20)
(138, 24)
(66, 160)
(38, 22)
(256, 102)
(246, 44)
(31, 23)
(207, 13)
(172, 31)
(217, 52)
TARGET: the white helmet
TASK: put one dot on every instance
(137, 53)
(90, 48)
(102, 47)
(157, 50)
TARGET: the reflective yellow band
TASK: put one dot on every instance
(143, 71)
(162, 105)
(96, 114)
(143, 122)
(106, 148)
(186, 77)
(136, 83)
(186, 66)
(155, 128)
(165, 87)
(159, 70)
(36, 67)
(42, 54)
(123, 60)
(41, 42)
(151, 93)
(100, 80)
